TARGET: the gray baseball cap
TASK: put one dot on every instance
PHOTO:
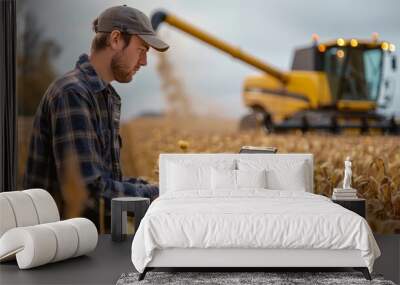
(131, 21)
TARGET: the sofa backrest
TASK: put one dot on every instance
(276, 162)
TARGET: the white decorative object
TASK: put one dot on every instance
(32, 233)
(347, 174)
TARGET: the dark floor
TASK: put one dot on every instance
(103, 266)
(389, 262)
(110, 260)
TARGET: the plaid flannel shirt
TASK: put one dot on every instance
(80, 112)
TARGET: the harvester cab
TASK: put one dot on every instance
(332, 86)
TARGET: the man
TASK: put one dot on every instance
(78, 117)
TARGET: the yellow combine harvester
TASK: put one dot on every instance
(332, 86)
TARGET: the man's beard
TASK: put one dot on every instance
(120, 71)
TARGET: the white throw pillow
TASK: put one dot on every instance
(294, 179)
(193, 175)
(223, 179)
(281, 174)
(251, 178)
(182, 177)
(226, 179)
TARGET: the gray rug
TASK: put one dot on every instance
(230, 278)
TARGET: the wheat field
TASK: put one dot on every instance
(376, 159)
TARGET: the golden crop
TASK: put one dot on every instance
(376, 159)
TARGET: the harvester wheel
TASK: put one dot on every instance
(267, 123)
(393, 126)
(249, 122)
(264, 119)
(304, 124)
(364, 126)
(255, 120)
(334, 127)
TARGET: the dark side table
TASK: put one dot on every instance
(120, 208)
(355, 205)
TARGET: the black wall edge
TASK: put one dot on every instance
(8, 98)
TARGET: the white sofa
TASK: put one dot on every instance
(31, 230)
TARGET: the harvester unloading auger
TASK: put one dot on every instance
(332, 86)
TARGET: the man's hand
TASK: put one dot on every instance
(142, 188)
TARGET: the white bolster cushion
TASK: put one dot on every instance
(7, 219)
(87, 234)
(66, 238)
(45, 205)
(24, 211)
(33, 246)
(41, 244)
(26, 208)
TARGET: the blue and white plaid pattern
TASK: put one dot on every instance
(80, 113)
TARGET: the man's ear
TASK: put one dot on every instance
(116, 42)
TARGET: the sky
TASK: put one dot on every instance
(268, 29)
